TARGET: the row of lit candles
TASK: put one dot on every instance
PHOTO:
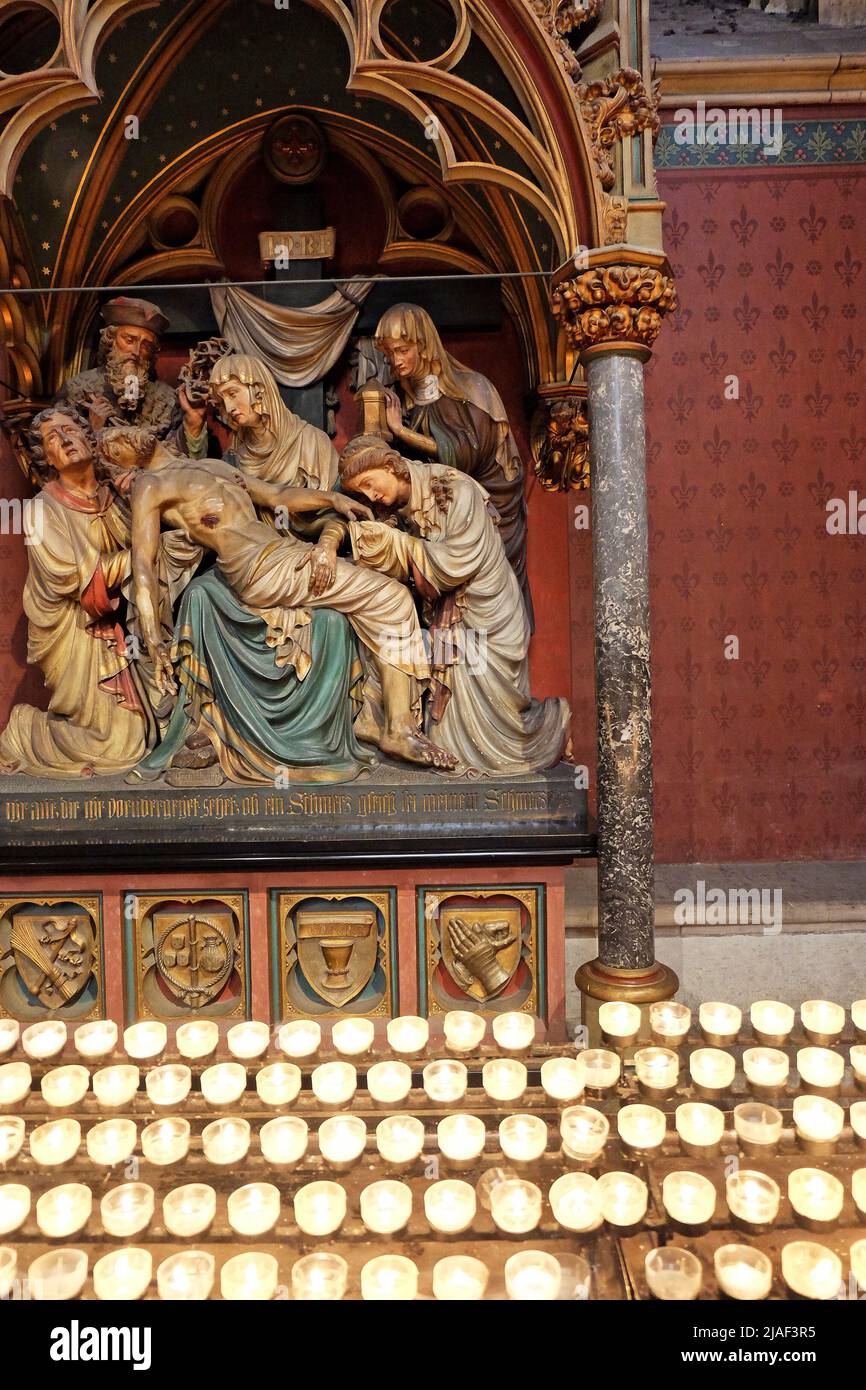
(583, 1130)
(407, 1035)
(772, 1021)
(579, 1202)
(126, 1274)
(809, 1269)
(563, 1079)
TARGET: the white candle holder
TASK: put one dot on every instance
(857, 1056)
(657, 1070)
(669, 1023)
(189, 1210)
(186, 1277)
(620, 1023)
(563, 1079)
(712, 1071)
(700, 1128)
(818, 1124)
(753, 1200)
(8, 1266)
(226, 1141)
(251, 1277)
(689, 1200)
(408, 1035)
(449, 1206)
(389, 1082)
(459, 1278)
(624, 1198)
(673, 1274)
(743, 1272)
(523, 1138)
(857, 1255)
(15, 1206)
(320, 1277)
(464, 1031)
(247, 1041)
(11, 1138)
(224, 1084)
(816, 1198)
(822, 1020)
(123, 1275)
(145, 1041)
(115, 1086)
(353, 1037)
(515, 1206)
(55, 1143)
(197, 1039)
(95, 1039)
(641, 1128)
(111, 1142)
(514, 1032)
(400, 1141)
(302, 1038)
(127, 1210)
(575, 1202)
(858, 1189)
(168, 1085)
(766, 1071)
(15, 1082)
(461, 1140)
(811, 1270)
(334, 1083)
(57, 1276)
(44, 1040)
(389, 1278)
(533, 1276)
(284, 1141)
(63, 1087)
(584, 1133)
(386, 1207)
(857, 1117)
(445, 1082)
(720, 1023)
(254, 1209)
(858, 1018)
(504, 1079)
(758, 1128)
(342, 1141)
(771, 1021)
(821, 1071)
(602, 1069)
(166, 1141)
(10, 1032)
(279, 1084)
(63, 1211)
(320, 1208)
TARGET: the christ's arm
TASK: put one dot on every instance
(146, 511)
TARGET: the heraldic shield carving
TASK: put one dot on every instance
(480, 948)
(333, 953)
(189, 954)
(49, 957)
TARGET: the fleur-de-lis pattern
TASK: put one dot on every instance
(762, 756)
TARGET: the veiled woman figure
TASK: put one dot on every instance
(451, 415)
(269, 711)
(451, 550)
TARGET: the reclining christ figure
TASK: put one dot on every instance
(214, 504)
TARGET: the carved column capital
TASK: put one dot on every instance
(617, 303)
(615, 107)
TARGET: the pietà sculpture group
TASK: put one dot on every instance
(277, 611)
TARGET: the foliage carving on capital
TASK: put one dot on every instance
(615, 107)
(559, 18)
(614, 304)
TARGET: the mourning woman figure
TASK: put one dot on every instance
(481, 708)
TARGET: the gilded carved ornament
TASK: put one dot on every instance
(615, 107)
(559, 18)
(615, 304)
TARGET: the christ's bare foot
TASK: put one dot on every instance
(415, 747)
(367, 727)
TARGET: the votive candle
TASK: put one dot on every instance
(302, 1038)
(461, 1138)
(449, 1206)
(459, 1277)
(127, 1210)
(10, 1031)
(623, 1197)
(389, 1278)
(515, 1206)
(320, 1208)
(619, 1022)
(820, 1068)
(250, 1276)
(513, 1032)
(811, 1270)
(858, 1189)
(57, 1276)
(700, 1128)
(168, 1085)
(857, 1117)
(815, 1196)
(533, 1276)
(464, 1031)
(743, 1272)
(657, 1069)
(254, 1208)
(818, 1122)
(320, 1277)
(504, 1078)
(386, 1206)
(766, 1067)
(563, 1079)
(400, 1140)
(248, 1040)
(641, 1127)
(342, 1140)
(575, 1201)
(65, 1086)
(64, 1211)
(711, 1069)
(334, 1083)
(752, 1197)
(758, 1127)
(55, 1142)
(673, 1274)
(445, 1081)
(857, 1055)
(408, 1035)
(389, 1082)
(165, 1141)
(822, 1020)
(284, 1140)
(720, 1023)
(15, 1206)
(224, 1083)
(278, 1084)
(43, 1040)
(601, 1069)
(352, 1037)
(111, 1142)
(189, 1210)
(115, 1086)
(226, 1141)
(123, 1275)
(689, 1198)
(95, 1039)
(186, 1276)
(15, 1082)
(142, 1041)
(858, 1016)
(11, 1137)
(771, 1021)
(523, 1138)
(669, 1022)
(584, 1132)
(197, 1039)
(8, 1266)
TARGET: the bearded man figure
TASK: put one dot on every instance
(123, 388)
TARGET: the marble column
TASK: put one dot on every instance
(612, 313)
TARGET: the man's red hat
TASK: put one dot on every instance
(139, 313)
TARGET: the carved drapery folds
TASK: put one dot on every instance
(560, 438)
(615, 107)
(619, 304)
(559, 18)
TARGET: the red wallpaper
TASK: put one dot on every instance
(761, 757)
